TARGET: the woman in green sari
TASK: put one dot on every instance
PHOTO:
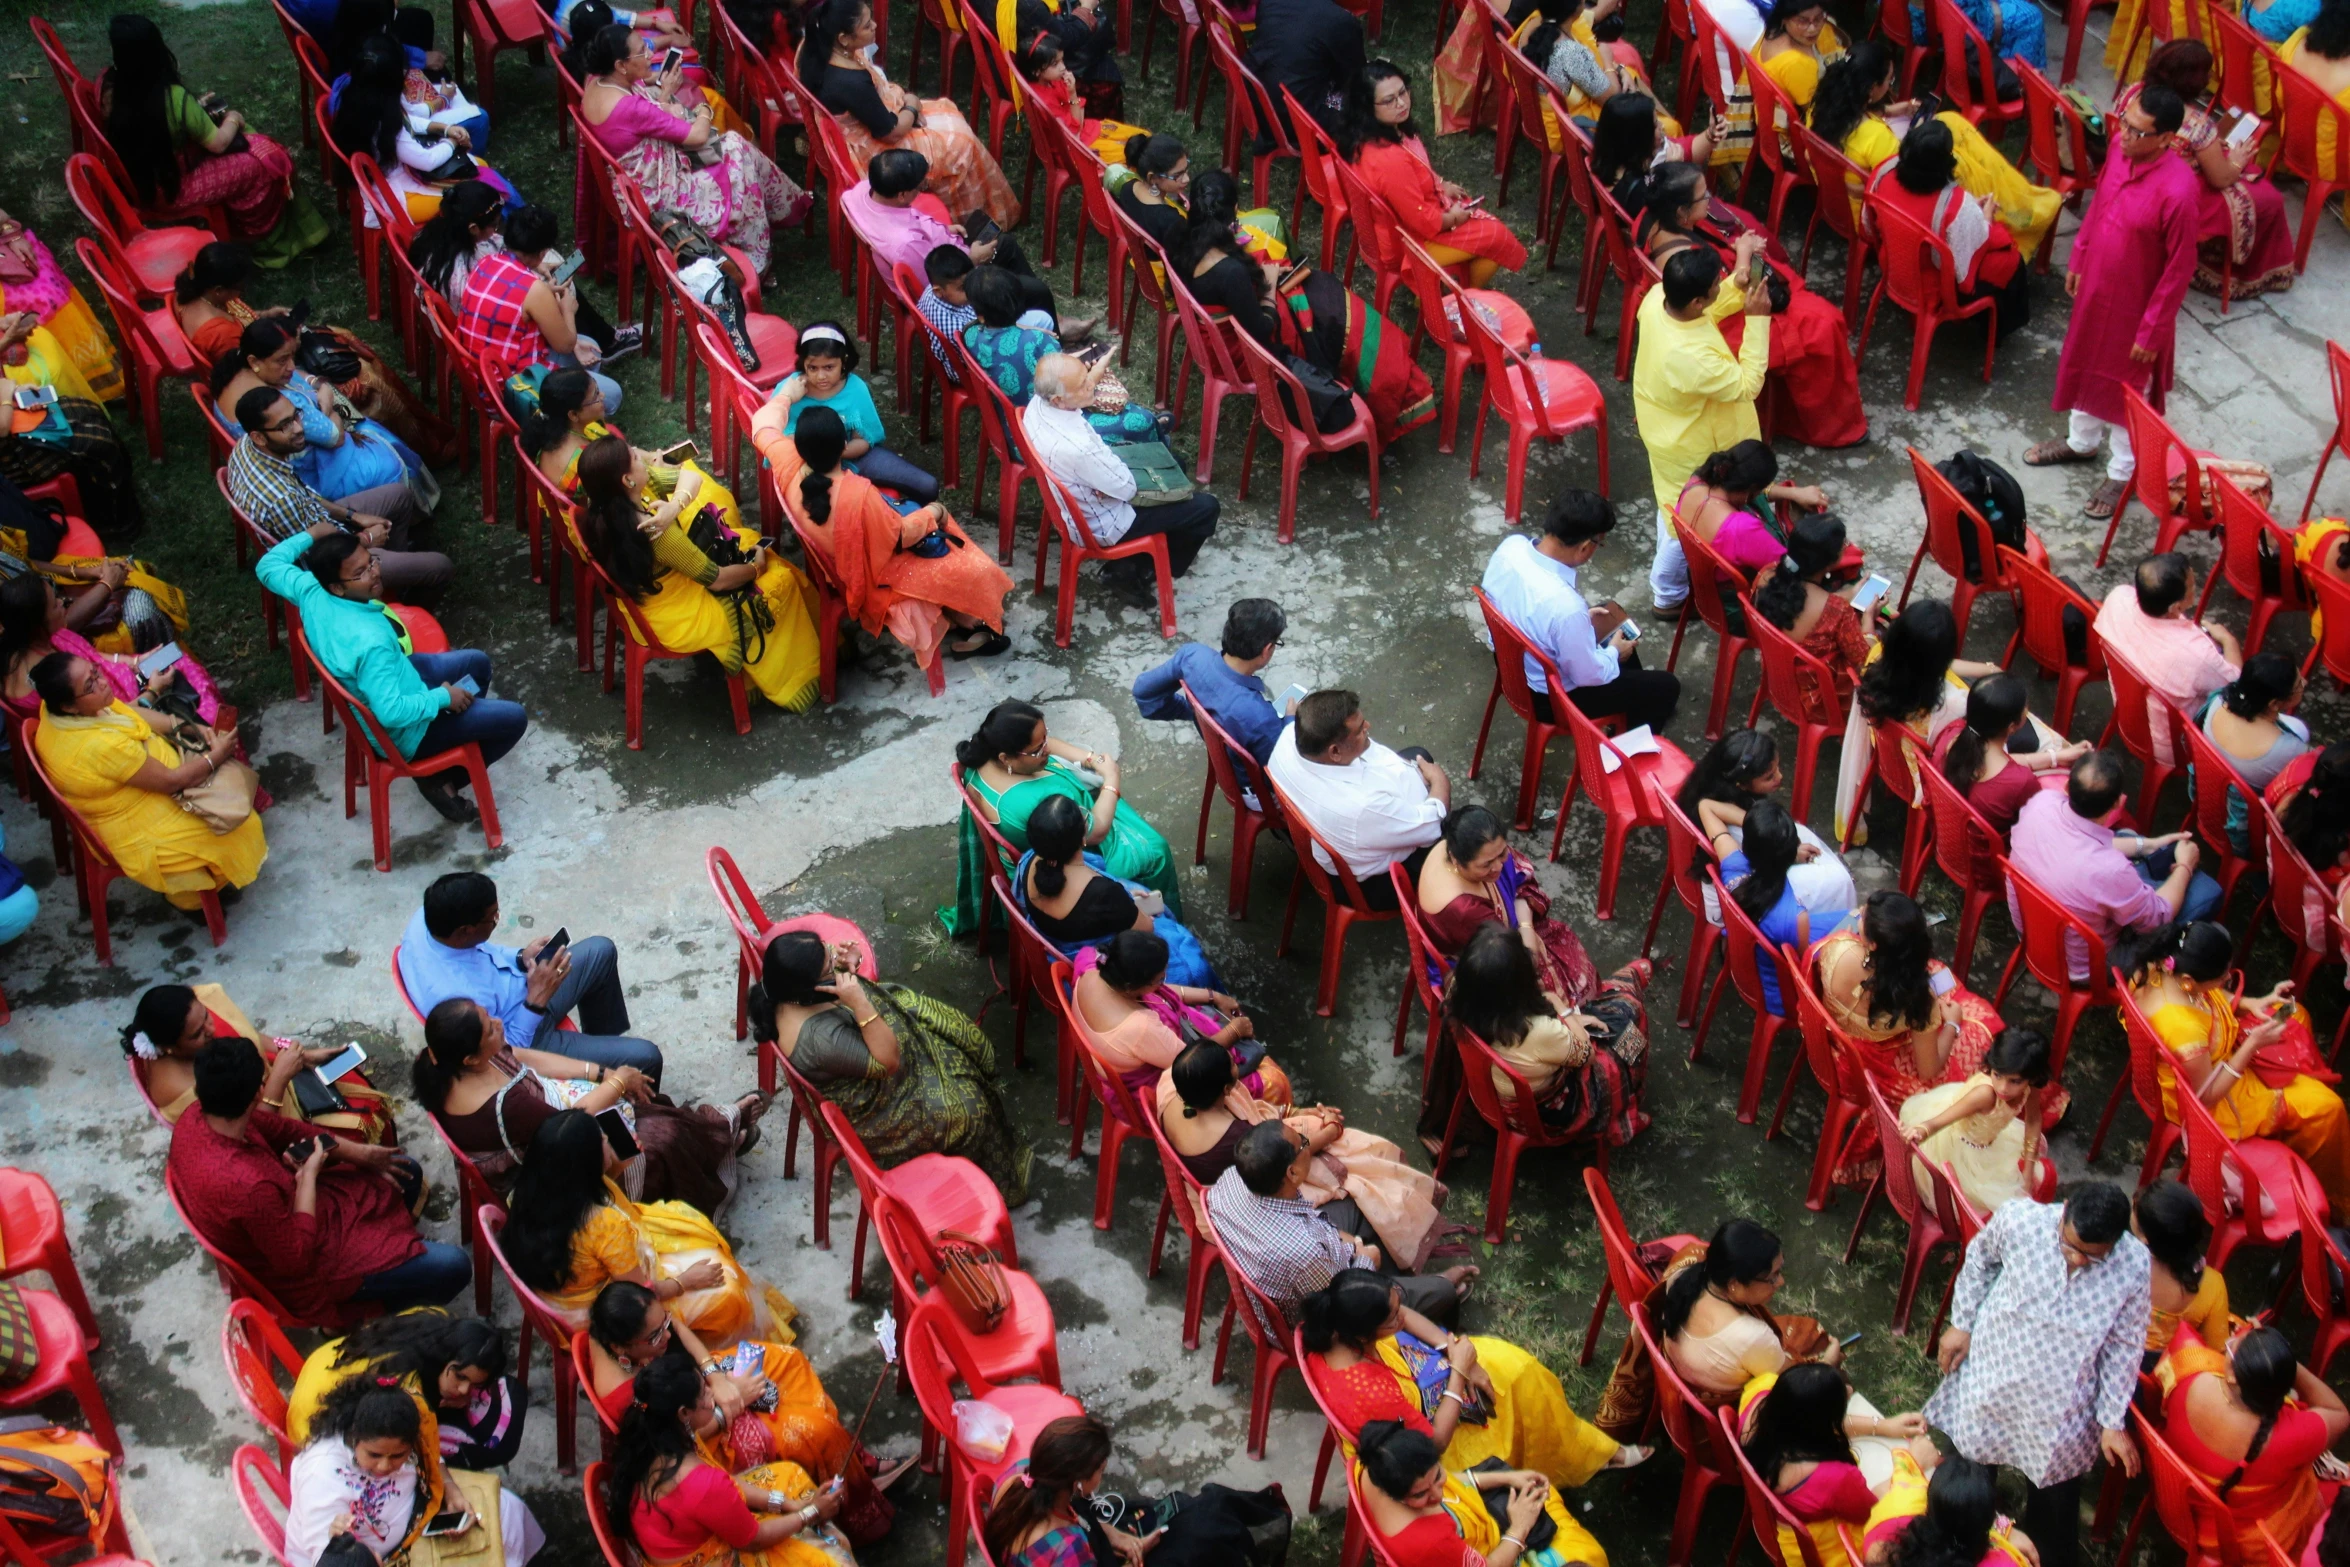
(1012, 766)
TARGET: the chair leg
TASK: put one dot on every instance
(1598, 1318)
(1508, 1145)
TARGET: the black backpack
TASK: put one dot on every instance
(1991, 490)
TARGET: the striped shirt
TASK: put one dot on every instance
(496, 328)
(268, 491)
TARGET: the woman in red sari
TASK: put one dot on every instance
(1813, 392)
(2251, 1423)
(1379, 139)
(1922, 184)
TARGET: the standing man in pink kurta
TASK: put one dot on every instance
(2128, 275)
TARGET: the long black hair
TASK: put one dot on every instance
(1846, 88)
(1994, 706)
(821, 440)
(1467, 829)
(653, 1442)
(1914, 659)
(1066, 1453)
(24, 617)
(1740, 1252)
(371, 1408)
(821, 27)
(2265, 1370)
(452, 1033)
(1726, 773)
(1962, 1505)
(1003, 732)
(1800, 1420)
(1360, 122)
(1814, 545)
(608, 518)
(1395, 1456)
(2265, 680)
(563, 393)
(2176, 1230)
(1901, 988)
(1207, 222)
(2198, 950)
(1771, 844)
(424, 1341)
(1495, 993)
(1624, 140)
(791, 968)
(606, 47)
(372, 110)
(217, 265)
(2317, 819)
(447, 236)
(562, 1180)
(1056, 831)
(1349, 1310)
(1746, 468)
(144, 73)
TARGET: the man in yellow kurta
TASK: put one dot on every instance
(1691, 395)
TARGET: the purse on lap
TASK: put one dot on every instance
(224, 800)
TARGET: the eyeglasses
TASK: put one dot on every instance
(289, 422)
(2133, 133)
(1390, 100)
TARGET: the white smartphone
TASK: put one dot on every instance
(1865, 597)
(1291, 695)
(1629, 631)
(161, 659)
(351, 1059)
(31, 397)
(2246, 129)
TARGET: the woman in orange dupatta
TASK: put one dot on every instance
(2251, 1423)
(880, 560)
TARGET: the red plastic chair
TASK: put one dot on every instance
(1897, 1183)
(2143, 1081)
(2058, 150)
(545, 507)
(1889, 763)
(2212, 778)
(1710, 578)
(473, 1188)
(71, 83)
(1628, 1279)
(2294, 887)
(544, 1321)
(583, 1366)
(1685, 852)
(1831, 171)
(1839, 1064)
(1316, 153)
(1952, 523)
(1921, 274)
(1374, 222)
(64, 1367)
(1773, 111)
(155, 344)
(152, 258)
(94, 870)
(240, 1284)
(1511, 649)
(2183, 1500)
(1633, 794)
(942, 1191)
(1427, 970)
(2161, 457)
(2141, 718)
(1250, 120)
(753, 931)
(2247, 71)
(1064, 520)
(1208, 347)
(1021, 1346)
(1537, 398)
(368, 753)
(2259, 1206)
(492, 26)
(1745, 950)
(1032, 956)
(938, 1355)
(1184, 1198)
(1188, 36)
(1124, 1115)
(1970, 72)
(1344, 905)
(1148, 267)
(33, 1240)
(1967, 849)
(2338, 373)
(1816, 710)
(2041, 598)
(2306, 110)
(1238, 775)
(644, 647)
(2320, 1258)
(999, 437)
(1535, 111)
(2048, 930)
(1773, 1522)
(265, 1496)
(1695, 1435)
(1516, 1121)
(1267, 1329)
(1300, 440)
(2247, 534)
(1354, 1543)
(257, 1350)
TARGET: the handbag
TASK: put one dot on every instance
(2254, 479)
(20, 1356)
(972, 1279)
(1159, 479)
(315, 1097)
(753, 616)
(53, 1481)
(324, 354)
(224, 800)
(1328, 399)
(1545, 1528)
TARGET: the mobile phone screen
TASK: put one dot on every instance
(467, 684)
(555, 943)
(351, 1058)
(29, 397)
(161, 659)
(1865, 598)
(671, 61)
(1629, 630)
(452, 1522)
(571, 264)
(616, 1132)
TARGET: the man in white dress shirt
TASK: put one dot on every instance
(1533, 583)
(1372, 805)
(1098, 480)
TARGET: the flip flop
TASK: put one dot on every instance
(1630, 1456)
(2055, 454)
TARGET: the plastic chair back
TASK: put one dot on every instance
(1517, 1113)
(1774, 1523)
(265, 1496)
(1747, 951)
(1965, 845)
(1969, 70)
(2163, 457)
(2247, 65)
(2042, 597)
(1784, 664)
(1952, 522)
(1335, 882)
(1627, 1275)
(2141, 717)
(1511, 649)
(256, 1350)
(2048, 930)
(1920, 273)
(1234, 769)
(2183, 1500)
(1689, 1426)
(2059, 147)
(2294, 889)
(616, 1552)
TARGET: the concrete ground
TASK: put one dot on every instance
(848, 809)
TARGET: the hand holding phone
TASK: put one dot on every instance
(617, 1133)
(159, 659)
(348, 1060)
(1867, 595)
(571, 264)
(670, 62)
(554, 944)
(467, 684)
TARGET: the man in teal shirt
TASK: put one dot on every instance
(427, 702)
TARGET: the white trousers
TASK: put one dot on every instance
(2086, 430)
(1668, 573)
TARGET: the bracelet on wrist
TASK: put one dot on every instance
(868, 1018)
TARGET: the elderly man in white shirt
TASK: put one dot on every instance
(1058, 435)
(1373, 806)
(1533, 583)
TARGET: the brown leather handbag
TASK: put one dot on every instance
(971, 1277)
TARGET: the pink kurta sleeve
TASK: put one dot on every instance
(2158, 327)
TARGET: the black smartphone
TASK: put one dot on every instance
(299, 314)
(985, 233)
(616, 1132)
(299, 1149)
(563, 273)
(670, 62)
(555, 943)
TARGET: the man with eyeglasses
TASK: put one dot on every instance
(262, 482)
(2041, 1358)
(2128, 276)
(1228, 679)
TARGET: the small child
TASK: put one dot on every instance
(1045, 66)
(1987, 1128)
(827, 374)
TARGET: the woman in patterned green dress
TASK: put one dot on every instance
(913, 1075)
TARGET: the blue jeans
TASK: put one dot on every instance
(2202, 892)
(604, 383)
(19, 908)
(592, 988)
(433, 1277)
(490, 724)
(887, 468)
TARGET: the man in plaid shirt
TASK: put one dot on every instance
(262, 482)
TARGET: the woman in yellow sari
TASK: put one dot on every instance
(689, 601)
(2322, 544)
(2251, 1060)
(1372, 1358)
(669, 1492)
(2321, 52)
(1427, 1515)
(174, 1022)
(68, 345)
(571, 1231)
(2187, 1294)
(1854, 111)
(571, 414)
(2250, 1421)
(1798, 43)
(770, 1403)
(111, 763)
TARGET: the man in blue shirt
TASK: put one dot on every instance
(446, 951)
(1226, 682)
(1533, 583)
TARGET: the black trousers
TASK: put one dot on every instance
(1639, 696)
(1035, 292)
(1379, 891)
(1187, 524)
(1430, 1294)
(2052, 1517)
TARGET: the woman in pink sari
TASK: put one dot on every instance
(2243, 216)
(679, 159)
(1140, 1023)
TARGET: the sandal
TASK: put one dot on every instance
(993, 644)
(897, 1471)
(2106, 498)
(1630, 1456)
(2056, 453)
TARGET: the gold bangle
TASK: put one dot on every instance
(870, 1017)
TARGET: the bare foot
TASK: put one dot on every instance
(1462, 1278)
(1076, 329)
